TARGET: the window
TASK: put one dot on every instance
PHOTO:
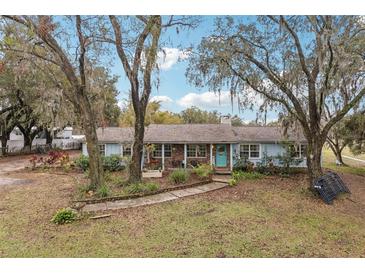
(127, 150)
(201, 151)
(254, 151)
(196, 151)
(250, 151)
(168, 150)
(303, 150)
(157, 152)
(298, 151)
(245, 151)
(102, 150)
(191, 150)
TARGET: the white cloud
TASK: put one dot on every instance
(162, 99)
(168, 57)
(206, 99)
(211, 100)
(166, 102)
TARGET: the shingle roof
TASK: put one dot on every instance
(265, 134)
(197, 133)
(115, 134)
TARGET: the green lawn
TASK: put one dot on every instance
(272, 217)
(353, 167)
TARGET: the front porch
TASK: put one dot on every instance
(174, 156)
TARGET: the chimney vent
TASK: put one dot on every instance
(226, 119)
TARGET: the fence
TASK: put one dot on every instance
(15, 147)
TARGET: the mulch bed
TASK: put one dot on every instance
(138, 195)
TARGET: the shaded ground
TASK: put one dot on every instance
(273, 217)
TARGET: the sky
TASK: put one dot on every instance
(174, 91)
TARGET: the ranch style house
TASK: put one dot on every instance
(187, 145)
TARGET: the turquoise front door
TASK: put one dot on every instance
(221, 156)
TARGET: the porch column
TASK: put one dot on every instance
(185, 154)
(163, 156)
(211, 154)
(121, 150)
(142, 160)
(231, 156)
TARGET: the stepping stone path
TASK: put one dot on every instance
(153, 199)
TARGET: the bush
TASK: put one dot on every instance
(82, 162)
(203, 170)
(151, 187)
(64, 216)
(103, 191)
(243, 164)
(266, 165)
(85, 188)
(110, 163)
(232, 182)
(179, 176)
(141, 188)
(240, 175)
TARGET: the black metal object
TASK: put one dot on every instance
(329, 186)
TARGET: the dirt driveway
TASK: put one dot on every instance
(10, 164)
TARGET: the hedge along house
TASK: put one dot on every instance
(187, 145)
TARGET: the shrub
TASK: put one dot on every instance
(113, 163)
(64, 216)
(134, 188)
(203, 170)
(243, 164)
(151, 187)
(55, 156)
(240, 175)
(110, 163)
(85, 188)
(82, 162)
(103, 191)
(288, 159)
(179, 176)
(232, 182)
(266, 165)
(141, 188)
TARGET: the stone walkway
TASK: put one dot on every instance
(153, 199)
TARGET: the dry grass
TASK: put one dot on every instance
(272, 217)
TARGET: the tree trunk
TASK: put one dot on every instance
(314, 153)
(337, 151)
(4, 141)
(96, 170)
(49, 138)
(135, 171)
(27, 143)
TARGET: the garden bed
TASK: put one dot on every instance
(138, 195)
(116, 186)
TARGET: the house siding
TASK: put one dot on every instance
(271, 149)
